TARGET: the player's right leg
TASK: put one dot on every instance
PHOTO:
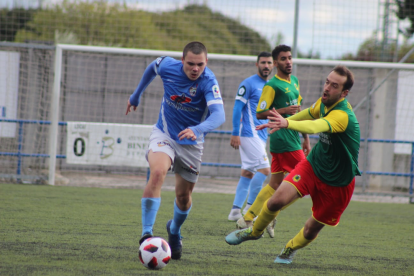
(160, 156)
(305, 236)
(159, 163)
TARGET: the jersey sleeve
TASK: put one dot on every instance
(338, 120)
(162, 64)
(212, 92)
(315, 109)
(243, 93)
(310, 127)
(266, 99)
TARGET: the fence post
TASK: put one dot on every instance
(412, 174)
(19, 152)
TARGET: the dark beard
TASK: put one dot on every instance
(285, 72)
(261, 73)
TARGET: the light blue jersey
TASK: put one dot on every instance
(248, 97)
(186, 103)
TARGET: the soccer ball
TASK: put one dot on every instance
(154, 253)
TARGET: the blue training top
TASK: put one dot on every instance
(245, 106)
(186, 103)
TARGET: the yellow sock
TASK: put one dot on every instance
(298, 241)
(257, 205)
(265, 217)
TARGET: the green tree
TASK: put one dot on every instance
(406, 10)
(103, 23)
(13, 20)
(94, 23)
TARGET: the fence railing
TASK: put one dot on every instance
(19, 154)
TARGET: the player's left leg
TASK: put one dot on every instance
(186, 168)
(182, 207)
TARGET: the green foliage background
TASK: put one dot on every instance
(101, 23)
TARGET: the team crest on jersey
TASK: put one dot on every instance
(296, 178)
(242, 91)
(180, 99)
(193, 90)
(216, 91)
(263, 105)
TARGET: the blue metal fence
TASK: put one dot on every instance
(19, 154)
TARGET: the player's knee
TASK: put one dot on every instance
(247, 174)
(157, 175)
(183, 199)
(265, 171)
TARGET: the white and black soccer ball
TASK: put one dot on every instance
(154, 253)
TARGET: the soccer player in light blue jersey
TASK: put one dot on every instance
(251, 143)
(191, 106)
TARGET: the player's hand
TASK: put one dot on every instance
(235, 142)
(187, 133)
(129, 106)
(276, 121)
(306, 147)
(292, 109)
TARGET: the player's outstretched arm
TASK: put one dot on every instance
(217, 118)
(147, 77)
(276, 121)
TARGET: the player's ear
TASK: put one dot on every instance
(182, 60)
(345, 93)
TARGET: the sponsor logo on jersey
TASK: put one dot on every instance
(296, 178)
(191, 170)
(180, 99)
(159, 61)
(193, 90)
(287, 90)
(163, 143)
(263, 105)
(242, 91)
(216, 91)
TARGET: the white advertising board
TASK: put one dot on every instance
(9, 89)
(405, 113)
(107, 144)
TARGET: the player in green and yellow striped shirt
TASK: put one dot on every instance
(328, 173)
